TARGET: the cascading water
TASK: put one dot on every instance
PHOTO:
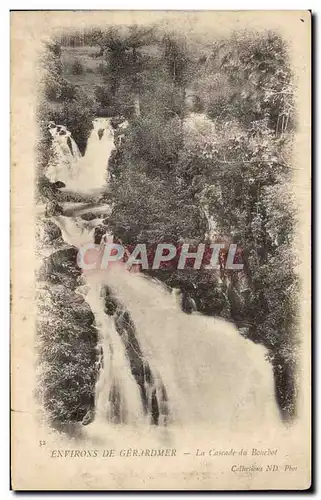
(82, 174)
(211, 373)
(115, 374)
(75, 150)
(65, 155)
(194, 368)
(74, 230)
(93, 166)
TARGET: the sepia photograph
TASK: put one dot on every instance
(160, 320)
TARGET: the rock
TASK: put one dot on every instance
(63, 258)
(244, 331)
(69, 144)
(58, 185)
(88, 418)
(101, 215)
(78, 313)
(68, 305)
(48, 231)
(88, 216)
(188, 304)
(83, 290)
(61, 267)
(101, 133)
(53, 208)
(116, 121)
(99, 233)
(111, 306)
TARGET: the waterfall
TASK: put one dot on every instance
(93, 166)
(211, 373)
(195, 368)
(115, 373)
(75, 231)
(81, 174)
(75, 150)
(65, 155)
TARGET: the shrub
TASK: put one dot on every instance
(77, 68)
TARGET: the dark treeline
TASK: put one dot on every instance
(209, 139)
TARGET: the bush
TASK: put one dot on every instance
(77, 68)
(63, 102)
(66, 338)
(103, 96)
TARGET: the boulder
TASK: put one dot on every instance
(61, 267)
(58, 185)
(99, 233)
(88, 216)
(101, 133)
(53, 208)
(48, 231)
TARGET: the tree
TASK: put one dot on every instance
(66, 335)
(236, 172)
(222, 174)
(248, 77)
(63, 102)
(121, 48)
(77, 68)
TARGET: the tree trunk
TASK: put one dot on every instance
(135, 84)
(136, 105)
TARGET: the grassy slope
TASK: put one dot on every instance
(91, 77)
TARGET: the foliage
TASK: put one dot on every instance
(77, 67)
(236, 171)
(63, 102)
(253, 81)
(66, 335)
(205, 156)
(102, 96)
